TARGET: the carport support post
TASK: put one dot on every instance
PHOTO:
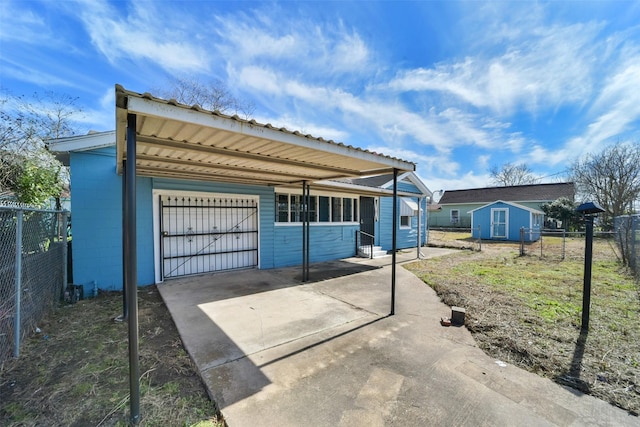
(125, 245)
(394, 236)
(305, 231)
(131, 269)
(308, 220)
(419, 245)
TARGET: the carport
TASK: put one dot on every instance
(159, 138)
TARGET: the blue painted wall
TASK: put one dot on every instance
(97, 218)
(96, 208)
(405, 237)
(517, 218)
(97, 223)
(328, 242)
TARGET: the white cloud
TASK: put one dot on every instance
(298, 44)
(553, 67)
(614, 112)
(468, 180)
(23, 25)
(144, 35)
(33, 75)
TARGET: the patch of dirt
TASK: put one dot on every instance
(76, 370)
(604, 363)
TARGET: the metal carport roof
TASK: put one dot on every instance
(160, 138)
(187, 142)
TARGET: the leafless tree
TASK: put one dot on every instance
(510, 174)
(213, 95)
(611, 178)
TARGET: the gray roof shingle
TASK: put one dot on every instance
(516, 193)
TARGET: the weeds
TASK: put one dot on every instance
(76, 371)
(527, 311)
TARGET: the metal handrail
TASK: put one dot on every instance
(358, 234)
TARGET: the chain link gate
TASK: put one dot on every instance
(206, 234)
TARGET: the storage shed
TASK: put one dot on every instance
(503, 220)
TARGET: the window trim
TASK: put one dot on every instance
(457, 221)
(316, 195)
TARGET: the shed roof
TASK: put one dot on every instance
(516, 193)
(512, 204)
(186, 142)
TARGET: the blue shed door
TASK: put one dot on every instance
(499, 219)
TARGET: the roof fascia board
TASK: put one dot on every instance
(137, 105)
(83, 142)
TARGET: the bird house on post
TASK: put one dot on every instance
(589, 210)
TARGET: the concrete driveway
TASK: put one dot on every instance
(275, 352)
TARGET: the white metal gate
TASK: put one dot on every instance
(205, 234)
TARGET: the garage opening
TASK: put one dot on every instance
(202, 234)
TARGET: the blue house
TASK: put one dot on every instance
(503, 220)
(216, 193)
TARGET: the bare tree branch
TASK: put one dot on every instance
(611, 178)
(510, 174)
(213, 95)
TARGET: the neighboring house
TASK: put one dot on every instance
(193, 226)
(455, 205)
(503, 221)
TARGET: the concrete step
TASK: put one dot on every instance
(365, 252)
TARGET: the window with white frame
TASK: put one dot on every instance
(290, 208)
(455, 216)
(408, 209)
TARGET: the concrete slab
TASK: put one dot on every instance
(274, 352)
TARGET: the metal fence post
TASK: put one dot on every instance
(63, 241)
(521, 241)
(18, 280)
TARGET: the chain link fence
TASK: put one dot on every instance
(553, 245)
(543, 243)
(33, 251)
(627, 234)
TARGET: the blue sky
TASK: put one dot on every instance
(457, 87)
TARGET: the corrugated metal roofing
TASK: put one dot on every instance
(187, 142)
(516, 193)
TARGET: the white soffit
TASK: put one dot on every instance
(186, 142)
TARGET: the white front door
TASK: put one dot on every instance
(499, 223)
